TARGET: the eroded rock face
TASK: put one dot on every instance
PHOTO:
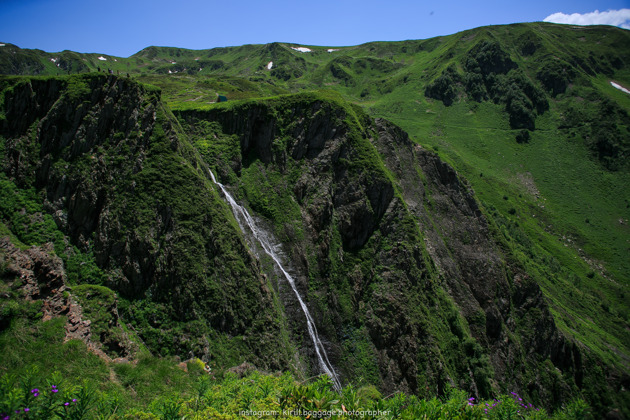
(316, 134)
(392, 231)
(41, 277)
(496, 306)
(342, 204)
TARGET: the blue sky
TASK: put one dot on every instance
(122, 28)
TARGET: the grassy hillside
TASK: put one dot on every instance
(550, 175)
(561, 208)
(74, 383)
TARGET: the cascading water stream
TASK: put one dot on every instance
(245, 220)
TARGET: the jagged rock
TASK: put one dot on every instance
(473, 265)
(42, 277)
(77, 328)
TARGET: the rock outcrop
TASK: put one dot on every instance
(38, 275)
(493, 293)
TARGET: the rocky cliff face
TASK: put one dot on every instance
(495, 294)
(123, 183)
(410, 286)
(37, 275)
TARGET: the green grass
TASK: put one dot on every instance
(69, 364)
(152, 388)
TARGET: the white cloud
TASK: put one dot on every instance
(620, 18)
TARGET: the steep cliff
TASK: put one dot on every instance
(410, 282)
(125, 186)
(503, 306)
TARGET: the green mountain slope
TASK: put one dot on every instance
(509, 273)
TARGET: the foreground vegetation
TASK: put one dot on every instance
(72, 383)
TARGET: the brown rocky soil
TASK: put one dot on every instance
(42, 277)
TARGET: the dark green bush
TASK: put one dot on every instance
(488, 57)
(444, 87)
(555, 76)
(609, 141)
(522, 136)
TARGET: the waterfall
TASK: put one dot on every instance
(246, 221)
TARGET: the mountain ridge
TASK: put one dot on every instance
(464, 31)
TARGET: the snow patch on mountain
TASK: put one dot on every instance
(621, 88)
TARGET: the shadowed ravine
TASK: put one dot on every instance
(246, 222)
